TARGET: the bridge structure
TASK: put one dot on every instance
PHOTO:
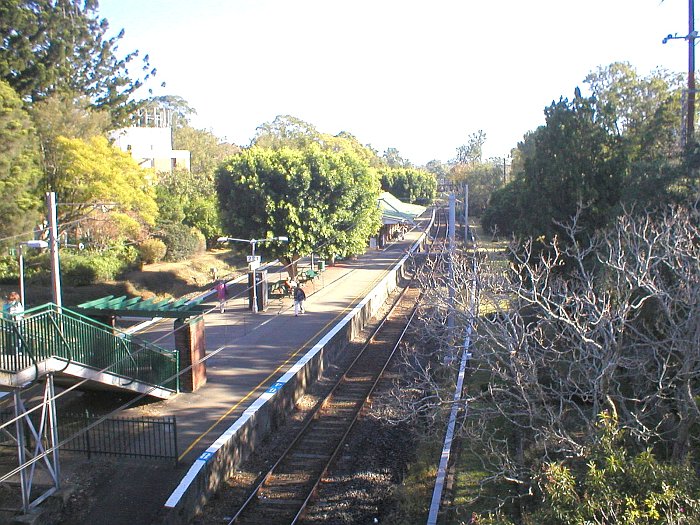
(49, 345)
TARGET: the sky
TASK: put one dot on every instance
(417, 76)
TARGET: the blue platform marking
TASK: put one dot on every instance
(274, 387)
(205, 456)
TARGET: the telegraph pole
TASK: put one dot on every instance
(688, 130)
(690, 124)
(53, 249)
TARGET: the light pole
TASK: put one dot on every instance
(689, 129)
(254, 261)
(29, 244)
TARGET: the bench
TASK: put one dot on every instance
(307, 275)
(282, 287)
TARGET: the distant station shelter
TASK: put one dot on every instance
(397, 217)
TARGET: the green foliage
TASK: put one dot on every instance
(51, 47)
(92, 171)
(207, 152)
(182, 241)
(19, 169)
(152, 251)
(609, 485)
(574, 161)
(188, 198)
(82, 269)
(483, 180)
(322, 200)
(411, 185)
(617, 148)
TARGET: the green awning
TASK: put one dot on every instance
(138, 307)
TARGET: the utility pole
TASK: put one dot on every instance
(690, 124)
(688, 131)
(53, 249)
(450, 261)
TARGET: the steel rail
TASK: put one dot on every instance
(313, 417)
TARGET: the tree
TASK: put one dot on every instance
(393, 159)
(61, 46)
(92, 175)
(324, 201)
(646, 111)
(207, 152)
(553, 351)
(483, 179)
(178, 107)
(571, 160)
(472, 151)
(19, 166)
(64, 115)
(410, 185)
(285, 131)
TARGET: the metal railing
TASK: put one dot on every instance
(49, 331)
(138, 437)
(142, 437)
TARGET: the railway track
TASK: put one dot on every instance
(283, 493)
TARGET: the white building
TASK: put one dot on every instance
(152, 146)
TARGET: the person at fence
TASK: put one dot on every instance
(13, 310)
(221, 295)
(299, 298)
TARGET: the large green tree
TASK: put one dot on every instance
(324, 201)
(410, 185)
(574, 162)
(19, 166)
(62, 46)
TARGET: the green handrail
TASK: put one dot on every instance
(49, 331)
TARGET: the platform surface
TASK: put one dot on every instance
(246, 352)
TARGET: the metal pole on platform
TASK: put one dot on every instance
(53, 249)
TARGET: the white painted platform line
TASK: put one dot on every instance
(208, 454)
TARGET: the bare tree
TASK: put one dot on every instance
(569, 332)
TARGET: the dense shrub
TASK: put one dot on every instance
(80, 269)
(182, 241)
(152, 251)
(8, 269)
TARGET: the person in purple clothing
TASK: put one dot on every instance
(221, 294)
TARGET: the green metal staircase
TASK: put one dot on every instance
(52, 339)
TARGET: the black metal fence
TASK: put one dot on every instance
(140, 437)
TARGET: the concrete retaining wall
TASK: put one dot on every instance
(222, 458)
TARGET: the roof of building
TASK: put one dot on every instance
(396, 212)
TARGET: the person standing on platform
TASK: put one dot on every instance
(221, 294)
(299, 298)
(13, 307)
(13, 310)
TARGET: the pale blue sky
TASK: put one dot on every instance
(418, 76)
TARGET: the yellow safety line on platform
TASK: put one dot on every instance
(273, 373)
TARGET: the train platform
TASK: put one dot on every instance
(246, 353)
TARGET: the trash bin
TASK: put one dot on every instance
(321, 265)
(261, 291)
